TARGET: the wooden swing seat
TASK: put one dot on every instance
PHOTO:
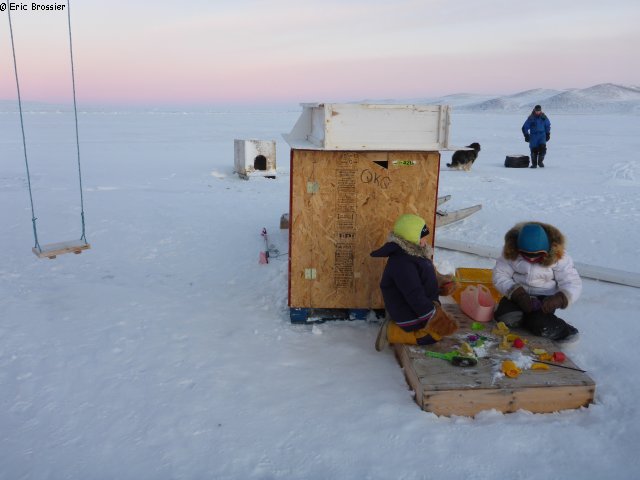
(54, 249)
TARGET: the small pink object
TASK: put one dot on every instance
(476, 301)
(263, 258)
(518, 343)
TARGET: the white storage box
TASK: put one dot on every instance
(255, 158)
(347, 126)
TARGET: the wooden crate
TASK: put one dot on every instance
(342, 206)
(447, 390)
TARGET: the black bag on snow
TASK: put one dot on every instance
(516, 161)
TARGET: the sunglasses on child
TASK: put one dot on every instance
(533, 256)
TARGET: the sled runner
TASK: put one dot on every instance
(446, 218)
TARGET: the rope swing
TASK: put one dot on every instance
(54, 249)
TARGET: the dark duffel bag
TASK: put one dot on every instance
(516, 161)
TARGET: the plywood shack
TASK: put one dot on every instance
(343, 205)
(447, 390)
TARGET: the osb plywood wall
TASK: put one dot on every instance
(343, 206)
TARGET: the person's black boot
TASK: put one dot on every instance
(534, 160)
(509, 313)
(545, 325)
(540, 159)
(569, 335)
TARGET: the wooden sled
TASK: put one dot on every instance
(52, 250)
(447, 218)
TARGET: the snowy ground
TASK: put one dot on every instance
(166, 351)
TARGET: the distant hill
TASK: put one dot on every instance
(603, 98)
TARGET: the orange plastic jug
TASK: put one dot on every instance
(477, 302)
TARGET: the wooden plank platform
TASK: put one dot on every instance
(447, 390)
(52, 250)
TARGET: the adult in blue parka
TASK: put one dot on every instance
(537, 131)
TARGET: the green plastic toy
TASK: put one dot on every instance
(455, 358)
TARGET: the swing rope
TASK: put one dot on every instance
(75, 112)
(24, 140)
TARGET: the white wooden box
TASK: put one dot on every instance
(255, 158)
(347, 126)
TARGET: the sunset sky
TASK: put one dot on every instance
(253, 51)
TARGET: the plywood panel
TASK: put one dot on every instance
(343, 205)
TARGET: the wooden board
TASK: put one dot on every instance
(446, 390)
(371, 127)
(343, 206)
(52, 250)
(445, 218)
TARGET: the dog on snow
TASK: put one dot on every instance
(463, 159)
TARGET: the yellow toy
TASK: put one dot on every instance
(510, 369)
(501, 329)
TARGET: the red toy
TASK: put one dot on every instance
(559, 357)
(518, 343)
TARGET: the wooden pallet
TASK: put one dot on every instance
(446, 390)
(52, 250)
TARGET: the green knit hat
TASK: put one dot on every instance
(411, 228)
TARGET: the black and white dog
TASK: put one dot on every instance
(463, 159)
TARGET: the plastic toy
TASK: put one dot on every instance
(500, 329)
(477, 326)
(510, 369)
(476, 301)
(518, 343)
(467, 350)
(559, 357)
(539, 366)
(457, 359)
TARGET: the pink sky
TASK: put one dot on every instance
(292, 51)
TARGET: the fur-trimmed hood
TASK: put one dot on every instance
(556, 243)
(407, 246)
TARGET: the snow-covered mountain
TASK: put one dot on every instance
(603, 98)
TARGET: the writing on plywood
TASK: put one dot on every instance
(346, 210)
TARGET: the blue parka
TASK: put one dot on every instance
(409, 284)
(537, 127)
